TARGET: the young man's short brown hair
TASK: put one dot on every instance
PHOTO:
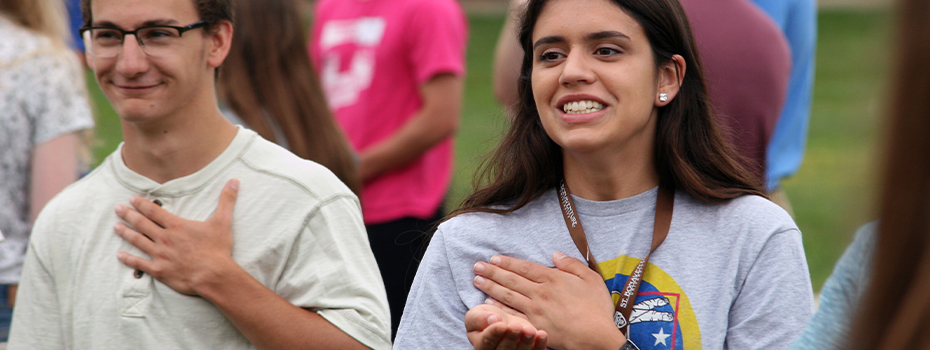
(210, 11)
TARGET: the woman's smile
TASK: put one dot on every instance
(594, 81)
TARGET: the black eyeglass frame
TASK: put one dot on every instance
(124, 33)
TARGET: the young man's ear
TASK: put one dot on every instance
(220, 41)
(671, 75)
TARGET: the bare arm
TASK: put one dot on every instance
(508, 57)
(266, 319)
(436, 120)
(54, 167)
(195, 258)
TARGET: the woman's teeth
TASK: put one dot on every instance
(579, 107)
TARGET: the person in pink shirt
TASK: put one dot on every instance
(393, 72)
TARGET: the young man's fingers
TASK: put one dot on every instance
(134, 237)
(529, 270)
(154, 212)
(135, 262)
(227, 202)
(139, 222)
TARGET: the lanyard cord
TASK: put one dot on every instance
(665, 202)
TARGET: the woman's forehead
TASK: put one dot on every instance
(578, 19)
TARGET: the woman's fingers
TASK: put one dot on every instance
(528, 270)
(505, 278)
(573, 266)
(505, 295)
(510, 311)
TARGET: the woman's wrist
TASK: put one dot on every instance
(609, 340)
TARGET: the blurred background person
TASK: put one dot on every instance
(798, 21)
(75, 21)
(895, 310)
(876, 297)
(747, 64)
(268, 85)
(507, 58)
(43, 108)
(393, 73)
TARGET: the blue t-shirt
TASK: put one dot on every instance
(798, 20)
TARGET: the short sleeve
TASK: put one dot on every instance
(434, 316)
(438, 37)
(37, 320)
(776, 299)
(331, 270)
(839, 297)
(56, 98)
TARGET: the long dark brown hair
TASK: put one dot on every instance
(690, 152)
(267, 78)
(895, 310)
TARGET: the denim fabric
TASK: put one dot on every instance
(6, 314)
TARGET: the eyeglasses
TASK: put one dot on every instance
(156, 41)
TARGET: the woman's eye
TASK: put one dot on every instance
(550, 56)
(606, 51)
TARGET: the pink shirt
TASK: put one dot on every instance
(372, 57)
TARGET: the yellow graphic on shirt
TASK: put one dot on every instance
(662, 315)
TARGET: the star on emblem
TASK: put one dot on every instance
(661, 336)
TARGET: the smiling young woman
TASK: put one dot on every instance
(612, 133)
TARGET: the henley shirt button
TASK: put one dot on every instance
(137, 274)
(157, 202)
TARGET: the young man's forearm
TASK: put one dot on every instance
(266, 319)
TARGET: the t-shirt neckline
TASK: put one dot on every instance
(642, 201)
(182, 185)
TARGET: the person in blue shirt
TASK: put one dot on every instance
(798, 20)
(74, 19)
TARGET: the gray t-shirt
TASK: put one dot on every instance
(839, 297)
(730, 275)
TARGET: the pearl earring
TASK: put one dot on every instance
(663, 97)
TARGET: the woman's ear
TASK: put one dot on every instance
(671, 75)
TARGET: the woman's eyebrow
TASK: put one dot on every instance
(593, 36)
(549, 40)
(606, 34)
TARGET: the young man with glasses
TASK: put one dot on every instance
(295, 273)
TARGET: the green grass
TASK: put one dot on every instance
(832, 194)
